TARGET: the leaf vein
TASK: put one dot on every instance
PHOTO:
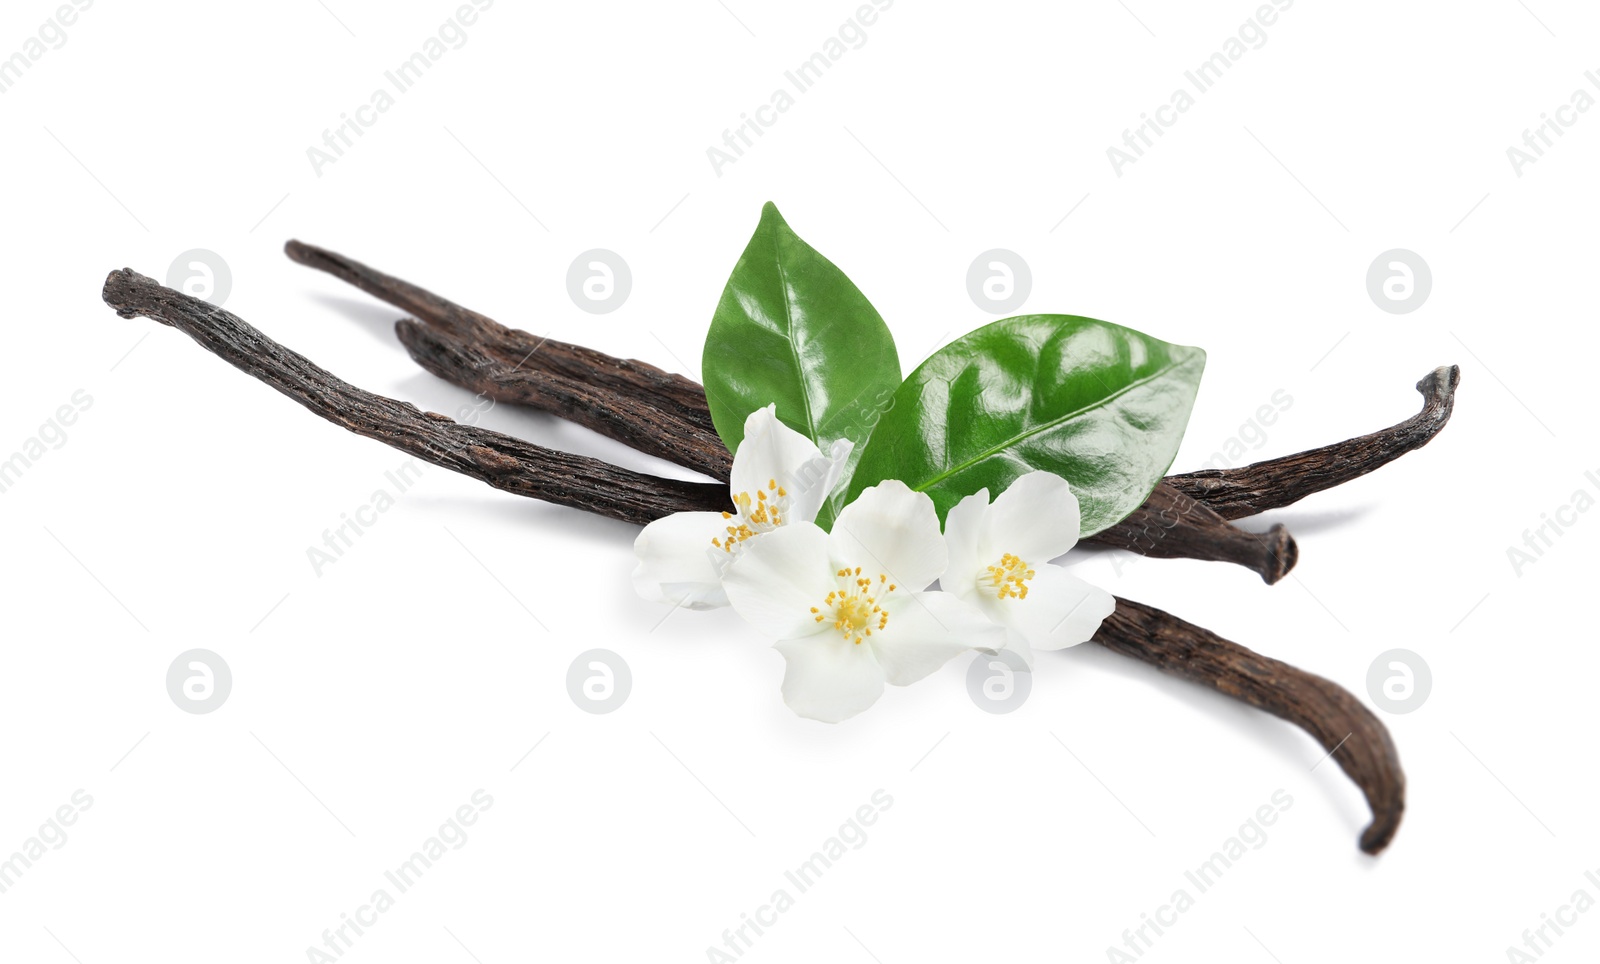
(1053, 423)
(794, 350)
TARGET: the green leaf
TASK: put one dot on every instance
(791, 329)
(1100, 405)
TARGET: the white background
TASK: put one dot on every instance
(372, 700)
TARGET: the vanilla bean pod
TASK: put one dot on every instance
(666, 415)
(1171, 525)
(1349, 731)
(1231, 493)
(643, 383)
(499, 460)
(1141, 632)
(1249, 489)
(602, 410)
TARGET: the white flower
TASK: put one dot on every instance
(846, 606)
(999, 560)
(779, 477)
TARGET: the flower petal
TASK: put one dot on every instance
(963, 527)
(1018, 643)
(925, 631)
(1036, 517)
(829, 678)
(675, 562)
(778, 578)
(810, 485)
(1061, 610)
(772, 452)
(892, 530)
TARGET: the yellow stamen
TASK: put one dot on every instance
(1010, 578)
(854, 611)
(753, 516)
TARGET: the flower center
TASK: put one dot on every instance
(1010, 578)
(752, 517)
(854, 610)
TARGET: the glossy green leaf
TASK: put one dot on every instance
(792, 329)
(1100, 405)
